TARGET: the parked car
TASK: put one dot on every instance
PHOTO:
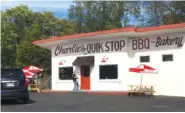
(14, 85)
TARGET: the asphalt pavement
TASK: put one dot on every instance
(80, 102)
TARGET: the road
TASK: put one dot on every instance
(74, 102)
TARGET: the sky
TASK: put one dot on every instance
(58, 7)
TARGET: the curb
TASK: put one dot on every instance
(89, 92)
(53, 91)
(108, 93)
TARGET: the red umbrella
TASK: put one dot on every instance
(28, 74)
(33, 69)
(142, 68)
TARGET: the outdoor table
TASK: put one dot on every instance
(34, 87)
(141, 89)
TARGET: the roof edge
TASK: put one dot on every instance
(126, 29)
(81, 35)
(161, 27)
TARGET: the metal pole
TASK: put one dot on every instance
(141, 81)
(141, 78)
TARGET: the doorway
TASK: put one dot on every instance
(85, 77)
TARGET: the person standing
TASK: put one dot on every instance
(76, 85)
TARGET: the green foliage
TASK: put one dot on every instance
(162, 12)
(92, 16)
(20, 26)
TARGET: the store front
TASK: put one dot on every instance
(84, 64)
(102, 59)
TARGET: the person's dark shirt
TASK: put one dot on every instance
(74, 78)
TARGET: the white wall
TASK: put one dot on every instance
(111, 85)
(170, 79)
(58, 84)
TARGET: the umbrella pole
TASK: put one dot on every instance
(141, 80)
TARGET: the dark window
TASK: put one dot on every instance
(12, 72)
(144, 58)
(108, 71)
(168, 57)
(65, 73)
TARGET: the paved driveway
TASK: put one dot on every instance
(51, 102)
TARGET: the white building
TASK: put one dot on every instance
(161, 47)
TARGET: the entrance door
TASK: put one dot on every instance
(85, 77)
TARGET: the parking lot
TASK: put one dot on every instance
(63, 102)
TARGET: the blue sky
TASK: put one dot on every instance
(58, 7)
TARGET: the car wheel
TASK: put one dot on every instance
(25, 100)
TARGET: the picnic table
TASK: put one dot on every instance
(34, 87)
(141, 89)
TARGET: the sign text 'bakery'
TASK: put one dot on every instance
(118, 45)
(145, 43)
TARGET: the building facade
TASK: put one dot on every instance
(102, 59)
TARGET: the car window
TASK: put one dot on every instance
(12, 72)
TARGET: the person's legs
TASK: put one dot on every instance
(74, 86)
(77, 86)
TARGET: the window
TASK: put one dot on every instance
(144, 58)
(65, 73)
(108, 72)
(85, 70)
(12, 72)
(168, 57)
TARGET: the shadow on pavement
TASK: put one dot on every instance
(14, 102)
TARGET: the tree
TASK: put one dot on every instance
(21, 26)
(175, 12)
(92, 16)
(65, 27)
(162, 12)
